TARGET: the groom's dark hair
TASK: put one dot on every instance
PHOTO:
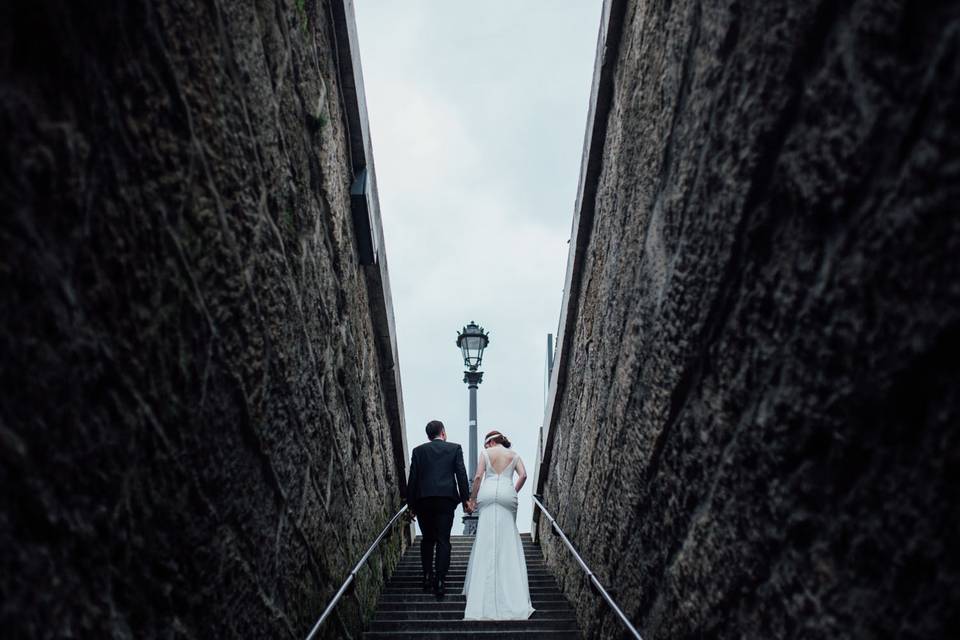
(434, 427)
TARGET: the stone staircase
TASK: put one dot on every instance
(406, 612)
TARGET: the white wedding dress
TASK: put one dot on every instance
(496, 584)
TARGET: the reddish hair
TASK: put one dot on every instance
(498, 438)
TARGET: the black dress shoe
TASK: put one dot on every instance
(440, 588)
(427, 582)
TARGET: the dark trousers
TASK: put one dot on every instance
(436, 521)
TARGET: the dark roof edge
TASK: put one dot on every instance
(368, 226)
(601, 98)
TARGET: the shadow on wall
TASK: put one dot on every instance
(752, 424)
(194, 368)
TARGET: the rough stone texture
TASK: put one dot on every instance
(758, 436)
(192, 431)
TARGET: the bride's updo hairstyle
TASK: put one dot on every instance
(497, 438)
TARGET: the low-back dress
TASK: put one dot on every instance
(496, 584)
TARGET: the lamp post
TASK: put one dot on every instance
(472, 341)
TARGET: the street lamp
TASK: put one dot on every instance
(472, 341)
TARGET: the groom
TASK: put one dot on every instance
(438, 481)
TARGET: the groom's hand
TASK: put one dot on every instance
(466, 507)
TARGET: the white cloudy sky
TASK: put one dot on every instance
(477, 114)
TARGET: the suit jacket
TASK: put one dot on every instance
(436, 470)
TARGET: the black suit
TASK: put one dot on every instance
(438, 481)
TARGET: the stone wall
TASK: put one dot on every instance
(755, 432)
(193, 432)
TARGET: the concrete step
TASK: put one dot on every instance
(408, 572)
(467, 542)
(467, 547)
(456, 608)
(461, 567)
(413, 562)
(457, 589)
(524, 536)
(411, 568)
(451, 582)
(492, 634)
(457, 556)
(564, 624)
(458, 584)
(453, 576)
(411, 556)
(461, 544)
(527, 546)
(457, 614)
(405, 612)
(458, 536)
(459, 577)
(404, 599)
(527, 553)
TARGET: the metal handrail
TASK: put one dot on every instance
(353, 574)
(583, 565)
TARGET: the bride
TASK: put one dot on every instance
(496, 584)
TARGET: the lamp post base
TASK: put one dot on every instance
(470, 524)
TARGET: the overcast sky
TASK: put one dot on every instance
(477, 114)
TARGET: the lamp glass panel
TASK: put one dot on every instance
(472, 342)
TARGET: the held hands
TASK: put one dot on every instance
(410, 514)
(470, 506)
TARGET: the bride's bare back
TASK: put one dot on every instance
(500, 458)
